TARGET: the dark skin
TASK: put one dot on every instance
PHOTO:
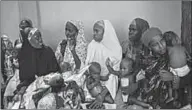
(71, 32)
(134, 34)
(98, 31)
(126, 71)
(93, 79)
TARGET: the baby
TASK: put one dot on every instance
(93, 83)
(65, 66)
(177, 60)
(127, 81)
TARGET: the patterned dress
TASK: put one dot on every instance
(81, 48)
(155, 92)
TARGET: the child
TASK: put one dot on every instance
(65, 66)
(177, 61)
(93, 84)
(127, 79)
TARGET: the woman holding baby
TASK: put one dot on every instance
(105, 44)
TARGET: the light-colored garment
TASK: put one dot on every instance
(12, 85)
(78, 77)
(124, 83)
(81, 47)
(28, 102)
(109, 47)
(183, 71)
(47, 102)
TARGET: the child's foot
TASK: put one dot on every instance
(169, 99)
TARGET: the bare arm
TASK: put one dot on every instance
(104, 78)
(112, 71)
(91, 84)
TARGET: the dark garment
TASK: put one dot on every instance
(35, 62)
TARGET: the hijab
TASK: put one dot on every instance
(81, 47)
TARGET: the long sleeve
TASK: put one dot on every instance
(58, 55)
(53, 64)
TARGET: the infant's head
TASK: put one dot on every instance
(65, 66)
(171, 38)
(127, 65)
(95, 69)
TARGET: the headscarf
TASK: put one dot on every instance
(141, 24)
(109, 47)
(31, 38)
(127, 47)
(6, 42)
(149, 34)
(81, 46)
(26, 23)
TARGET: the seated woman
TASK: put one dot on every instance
(35, 59)
(158, 68)
(14, 81)
(73, 49)
(105, 44)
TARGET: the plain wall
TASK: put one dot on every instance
(10, 19)
(53, 15)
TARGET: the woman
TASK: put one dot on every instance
(73, 50)
(7, 47)
(158, 66)
(14, 81)
(105, 44)
(133, 47)
(36, 59)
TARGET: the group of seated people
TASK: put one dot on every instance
(149, 70)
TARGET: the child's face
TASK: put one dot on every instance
(94, 72)
(65, 67)
(126, 68)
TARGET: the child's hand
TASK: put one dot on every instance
(107, 62)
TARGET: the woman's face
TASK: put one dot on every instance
(71, 31)
(36, 41)
(134, 34)
(158, 44)
(98, 32)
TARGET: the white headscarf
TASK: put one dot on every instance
(109, 47)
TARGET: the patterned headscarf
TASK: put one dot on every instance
(142, 25)
(81, 46)
(6, 42)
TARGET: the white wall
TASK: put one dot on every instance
(164, 14)
(10, 19)
(53, 14)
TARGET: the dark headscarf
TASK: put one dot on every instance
(35, 61)
(25, 23)
(142, 25)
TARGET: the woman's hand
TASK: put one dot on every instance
(63, 46)
(72, 44)
(98, 103)
(165, 75)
